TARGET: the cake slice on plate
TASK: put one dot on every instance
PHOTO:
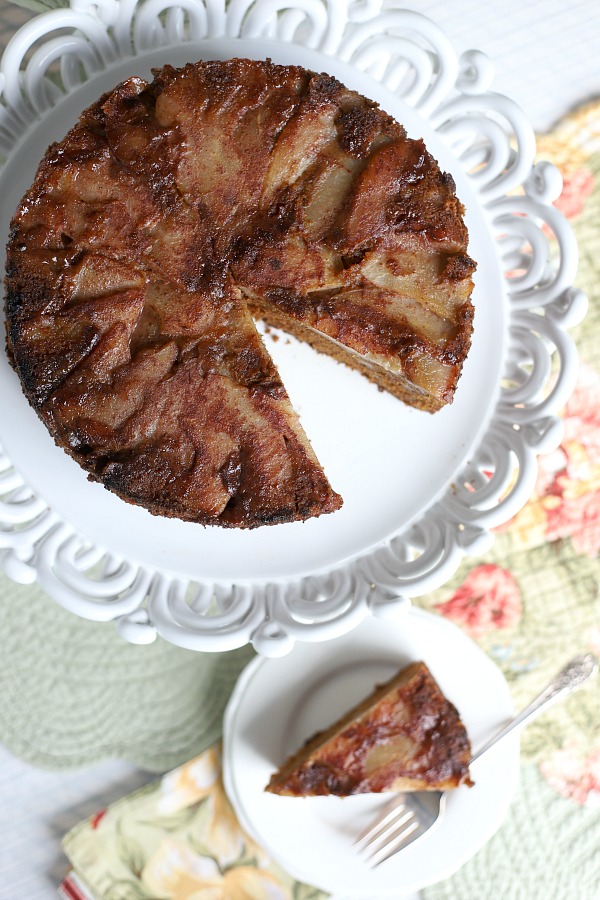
(406, 736)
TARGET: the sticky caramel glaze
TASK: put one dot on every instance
(405, 736)
(168, 203)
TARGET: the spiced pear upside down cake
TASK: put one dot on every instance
(175, 211)
(405, 736)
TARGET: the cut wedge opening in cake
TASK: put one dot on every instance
(175, 211)
(405, 736)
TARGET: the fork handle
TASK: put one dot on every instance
(572, 676)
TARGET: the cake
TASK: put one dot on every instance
(174, 214)
(406, 736)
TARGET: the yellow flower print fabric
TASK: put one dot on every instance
(177, 839)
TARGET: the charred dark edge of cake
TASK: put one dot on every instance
(280, 517)
(233, 515)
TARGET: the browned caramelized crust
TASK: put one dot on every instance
(406, 736)
(174, 209)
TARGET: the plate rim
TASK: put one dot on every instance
(453, 95)
(232, 710)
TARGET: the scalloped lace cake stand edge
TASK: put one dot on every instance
(494, 144)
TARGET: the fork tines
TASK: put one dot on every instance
(382, 839)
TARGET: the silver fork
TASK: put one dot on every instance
(408, 816)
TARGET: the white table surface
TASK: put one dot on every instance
(546, 56)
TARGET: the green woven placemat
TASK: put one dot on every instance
(73, 692)
(547, 850)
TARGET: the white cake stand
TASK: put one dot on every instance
(420, 491)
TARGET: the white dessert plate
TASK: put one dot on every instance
(419, 490)
(278, 704)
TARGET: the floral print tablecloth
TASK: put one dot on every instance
(531, 603)
(533, 600)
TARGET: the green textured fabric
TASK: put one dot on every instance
(547, 850)
(41, 6)
(73, 692)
